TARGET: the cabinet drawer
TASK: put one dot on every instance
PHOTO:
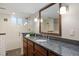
(40, 49)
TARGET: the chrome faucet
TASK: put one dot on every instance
(43, 36)
(35, 35)
(47, 37)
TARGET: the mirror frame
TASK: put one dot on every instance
(44, 8)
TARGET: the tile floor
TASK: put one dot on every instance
(14, 52)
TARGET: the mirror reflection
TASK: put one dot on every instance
(50, 19)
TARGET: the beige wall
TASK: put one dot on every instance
(70, 22)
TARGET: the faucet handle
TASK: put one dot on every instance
(43, 35)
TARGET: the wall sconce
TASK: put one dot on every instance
(5, 19)
(36, 20)
(63, 10)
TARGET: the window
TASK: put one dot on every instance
(19, 21)
(13, 19)
(16, 20)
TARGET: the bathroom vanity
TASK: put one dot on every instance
(36, 46)
(32, 47)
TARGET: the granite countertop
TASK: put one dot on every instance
(59, 47)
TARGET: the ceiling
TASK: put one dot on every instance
(25, 9)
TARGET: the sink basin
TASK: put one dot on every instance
(41, 40)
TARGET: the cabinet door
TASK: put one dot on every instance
(25, 51)
(30, 48)
(25, 48)
(40, 51)
(37, 53)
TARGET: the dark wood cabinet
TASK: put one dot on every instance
(25, 48)
(30, 48)
(25, 51)
(33, 49)
(50, 53)
(40, 51)
(37, 53)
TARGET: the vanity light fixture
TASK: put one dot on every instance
(63, 10)
(25, 23)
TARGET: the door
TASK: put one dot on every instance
(2, 45)
(13, 32)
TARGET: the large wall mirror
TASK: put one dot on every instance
(50, 19)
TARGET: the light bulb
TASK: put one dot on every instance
(63, 10)
(13, 13)
(41, 20)
(35, 19)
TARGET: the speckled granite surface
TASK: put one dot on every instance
(61, 48)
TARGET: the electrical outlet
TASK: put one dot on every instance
(72, 32)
